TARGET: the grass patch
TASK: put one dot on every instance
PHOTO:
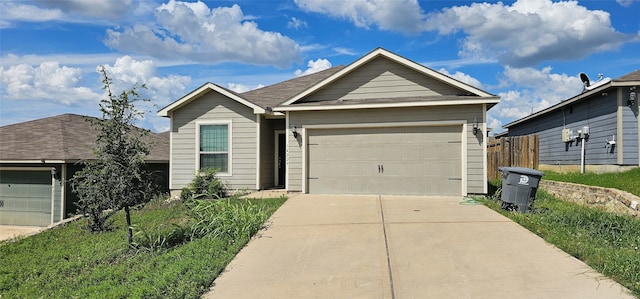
(627, 181)
(70, 262)
(607, 242)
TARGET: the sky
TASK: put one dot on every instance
(528, 52)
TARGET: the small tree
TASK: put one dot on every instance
(117, 179)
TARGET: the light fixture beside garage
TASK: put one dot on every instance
(475, 126)
(294, 131)
(632, 96)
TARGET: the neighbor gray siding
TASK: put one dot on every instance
(212, 107)
(474, 155)
(382, 78)
(598, 113)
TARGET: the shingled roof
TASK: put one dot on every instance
(272, 95)
(633, 76)
(66, 137)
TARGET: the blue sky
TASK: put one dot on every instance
(529, 52)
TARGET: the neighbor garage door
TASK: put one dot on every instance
(25, 197)
(423, 160)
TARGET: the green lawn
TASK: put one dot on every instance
(627, 181)
(607, 242)
(70, 262)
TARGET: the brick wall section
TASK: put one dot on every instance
(611, 200)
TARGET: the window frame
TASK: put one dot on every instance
(229, 125)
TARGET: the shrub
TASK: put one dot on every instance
(229, 219)
(204, 186)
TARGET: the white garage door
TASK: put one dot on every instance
(422, 160)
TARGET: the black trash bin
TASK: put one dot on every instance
(519, 186)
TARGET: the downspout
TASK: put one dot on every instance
(582, 157)
(53, 193)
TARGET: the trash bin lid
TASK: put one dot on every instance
(522, 170)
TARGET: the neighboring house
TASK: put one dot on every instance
(381, 125)
(596, 130)
(37, 159)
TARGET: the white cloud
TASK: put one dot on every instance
(47, 81)
(537, 90)
(625, 3)
(314, 67)
(345, 51)
(25, 12)
(462, 77)
(240, 88)
(195, 32)
(393, 15)
(112, 9)
(528, 31)
(126, 72)
(296, 23)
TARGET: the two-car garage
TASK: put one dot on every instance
(399, 160)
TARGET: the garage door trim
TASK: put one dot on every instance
(304, 130)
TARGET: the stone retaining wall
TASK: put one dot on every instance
(611, 200)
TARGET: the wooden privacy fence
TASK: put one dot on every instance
(520, 151)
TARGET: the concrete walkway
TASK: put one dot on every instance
(403, 247)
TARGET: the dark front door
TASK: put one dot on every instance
(282, 149)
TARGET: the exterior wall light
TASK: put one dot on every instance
(475, 126)
(294, 131)
(632, 97)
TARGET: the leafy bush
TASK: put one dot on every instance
(204, 186)
(228, 219)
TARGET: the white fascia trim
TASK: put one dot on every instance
(399, 59)
(463, 168)
(484, 149)
(33, 161)
(164, 112)
(15, 168)
(389, 124)
(389, 105)
(258, 149)
(229, 124)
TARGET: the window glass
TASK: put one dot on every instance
(214, 147)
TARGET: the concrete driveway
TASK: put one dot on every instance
(403, 247)
(8, 232)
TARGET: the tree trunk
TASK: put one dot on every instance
(129, 227)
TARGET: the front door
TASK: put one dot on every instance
(281, 145)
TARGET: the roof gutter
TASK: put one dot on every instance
(484, 100)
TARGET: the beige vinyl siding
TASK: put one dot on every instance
(214, 107)
(474, 145)
(382, 78)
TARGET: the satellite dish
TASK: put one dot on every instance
(587, 85)
(585, 80)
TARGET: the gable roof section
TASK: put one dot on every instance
(380, 52)
(629, 79)
(272, 95)
(62, 138)
(205, 88)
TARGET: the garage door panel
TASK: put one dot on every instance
(393, 160)
(25, 198)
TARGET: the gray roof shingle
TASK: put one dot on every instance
(633, 76)
(67, 137)
(272, 95)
